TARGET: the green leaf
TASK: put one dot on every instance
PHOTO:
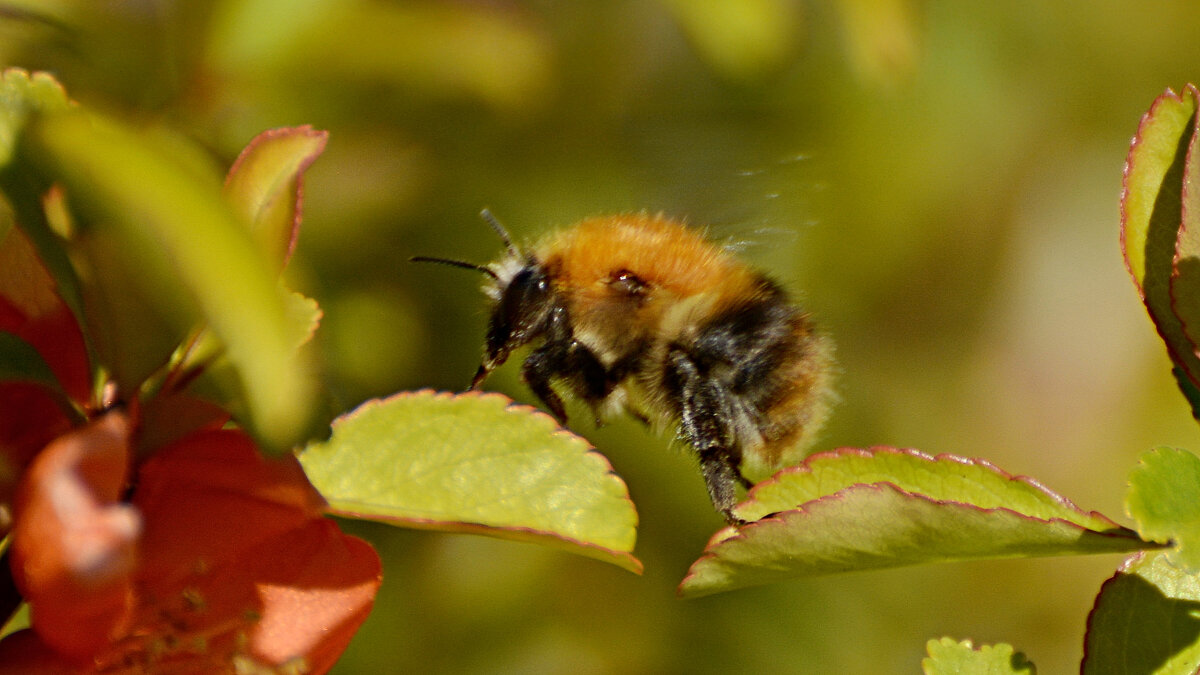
(1185, 279)
(945, 477)
(1164, 499)
(856, 509)
(949, 657)
(1152, 213)
(189, 254)
(1145, 620)
(474, 463)
(264, 186)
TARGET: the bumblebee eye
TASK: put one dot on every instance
(628, 283)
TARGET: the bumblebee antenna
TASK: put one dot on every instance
(455, 263)
(495, 224)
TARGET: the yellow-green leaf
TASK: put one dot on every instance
(870, 509)
(1164, 499)
(1145, 621)
(264, 186)
(950, 657)
(474, 463)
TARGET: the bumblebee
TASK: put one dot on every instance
(640, 313)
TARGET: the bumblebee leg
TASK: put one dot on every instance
(587, 377)
(563, 357)
(704, 416)
(543, 364)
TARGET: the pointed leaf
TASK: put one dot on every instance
(1145, 620)
(948, 657)
(1185, 280)
(188, 250)
(474, 463)
(855, 510)
(944, 477)
(1152, 213)
(1164, 499)
(32, 308)
(264, 186)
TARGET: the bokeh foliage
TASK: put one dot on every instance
(938, 179)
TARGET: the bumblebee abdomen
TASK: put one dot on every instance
(774, 368)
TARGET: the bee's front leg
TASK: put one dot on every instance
(539, 369)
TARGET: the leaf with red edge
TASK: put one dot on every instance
(1152, 212)
(474, 463)
(1144, 620)
(855, 509)
(74, 543)
(31, 309)
(265, 185)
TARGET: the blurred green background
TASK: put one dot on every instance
(938, 181)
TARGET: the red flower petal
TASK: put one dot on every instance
(74, 544)
(23, 652)
(239, 564)
(315, 596)
(30, 417)
(212, 495)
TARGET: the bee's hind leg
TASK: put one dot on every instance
(705, 419)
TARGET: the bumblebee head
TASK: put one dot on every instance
(521, 314)
(524, 300)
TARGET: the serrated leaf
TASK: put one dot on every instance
(264, 186)
(474, 463)
(1164, 499)
(856, 510)
(188, 251)
(945, 477)
(1146, 619)
(1152, 213)
(950, 657)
